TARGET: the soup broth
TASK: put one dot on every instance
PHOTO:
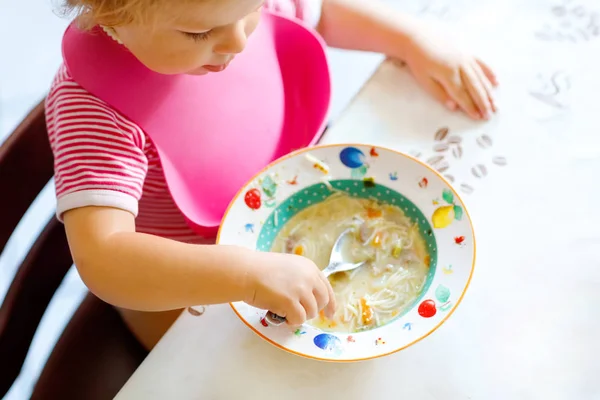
(397, 261)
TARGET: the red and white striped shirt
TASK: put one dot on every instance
(103, 159)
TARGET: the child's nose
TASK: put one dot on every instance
(233, 43)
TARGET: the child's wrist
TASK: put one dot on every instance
(250, 262)
(402, 39)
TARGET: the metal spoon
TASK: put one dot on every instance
(336, 264)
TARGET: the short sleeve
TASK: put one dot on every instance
(99, 155)
(308, 11)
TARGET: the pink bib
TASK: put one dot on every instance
(214, 132)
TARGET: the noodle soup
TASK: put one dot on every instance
(383, 236)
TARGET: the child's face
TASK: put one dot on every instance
(200, 37)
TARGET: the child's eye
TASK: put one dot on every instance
(197, 36)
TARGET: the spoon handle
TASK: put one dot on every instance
(274, 319)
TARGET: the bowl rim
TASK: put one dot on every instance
(354, 144)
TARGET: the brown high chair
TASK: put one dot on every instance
(96, 353)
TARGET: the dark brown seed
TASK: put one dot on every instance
(434, 160)
(440, 147)
(196, 313)
(441, 134)
(449, 177)
(501, 161)
(484, 141)
(457, 152)
(466, 188)
(455, 139)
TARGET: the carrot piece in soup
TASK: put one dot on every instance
(322, 316)
(374, 213)
(299, 250)
(367, 312)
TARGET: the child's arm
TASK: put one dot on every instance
(366, 25)
(452, 77)
(149, 273)
(100, 169)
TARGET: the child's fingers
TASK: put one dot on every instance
(476, 91)
(437, 92)
(488, 72)
(331, 305)
(296, 315)
(311, 307)
(458, 93)
(486, 84)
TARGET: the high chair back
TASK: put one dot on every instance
(26, 166)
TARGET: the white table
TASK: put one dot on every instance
(528, 327)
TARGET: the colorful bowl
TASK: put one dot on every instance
(262, 207)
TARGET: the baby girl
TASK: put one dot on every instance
(132, 244)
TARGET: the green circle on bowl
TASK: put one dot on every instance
(315, 194)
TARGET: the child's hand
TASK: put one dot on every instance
(292, 287)
(456, 79)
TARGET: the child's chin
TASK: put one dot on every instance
(197, 71)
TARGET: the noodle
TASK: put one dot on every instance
(395, 253)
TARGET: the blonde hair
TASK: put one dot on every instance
(90, 13)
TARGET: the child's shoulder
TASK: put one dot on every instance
(64, 87)
(70, 108)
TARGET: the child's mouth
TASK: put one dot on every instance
(215, 68)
